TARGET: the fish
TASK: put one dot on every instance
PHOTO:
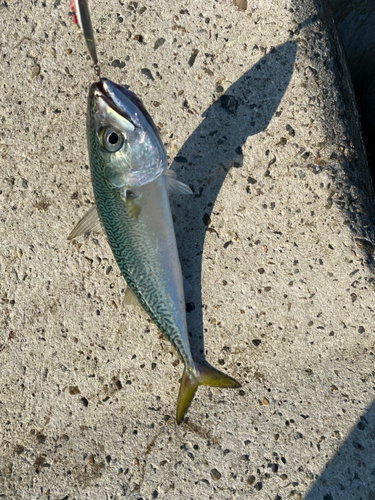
(131, 181)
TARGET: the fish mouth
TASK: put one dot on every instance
(100, 90)
(125, 103)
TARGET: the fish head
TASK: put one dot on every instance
(124, 136)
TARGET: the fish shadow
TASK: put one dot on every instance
(350, 474)
(204, 160)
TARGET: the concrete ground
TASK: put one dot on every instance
(256, 111)
(355, 23)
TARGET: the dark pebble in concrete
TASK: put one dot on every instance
(358, 446)
(215, 474)
(290, 130)
(206, 220)
(159, 42)
(116, 63)
(180, 159)
(193, 56)
(240, 4)
(190, 306)
(147, 73)
(229, 103)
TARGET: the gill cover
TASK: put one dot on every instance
(123, 135)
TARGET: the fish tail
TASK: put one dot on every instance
(205, 375)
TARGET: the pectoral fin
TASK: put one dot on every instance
(89, 222)
(130, 298)
(130, 203)
(173, 185)
(132, 208)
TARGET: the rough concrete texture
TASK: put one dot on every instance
(355, 22)
(255, 110)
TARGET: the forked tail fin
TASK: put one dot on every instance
(189, 384)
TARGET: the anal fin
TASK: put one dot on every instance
(130, 299)
(89, 222)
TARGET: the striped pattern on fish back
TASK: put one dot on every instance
(137, 256)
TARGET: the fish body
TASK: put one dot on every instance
(137, 218)
(130, 182)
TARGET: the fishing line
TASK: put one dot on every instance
(81, 17)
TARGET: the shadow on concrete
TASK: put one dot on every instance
(203, 162)
(355, 21)
(350, 475)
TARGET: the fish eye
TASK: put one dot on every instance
(112, 140)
